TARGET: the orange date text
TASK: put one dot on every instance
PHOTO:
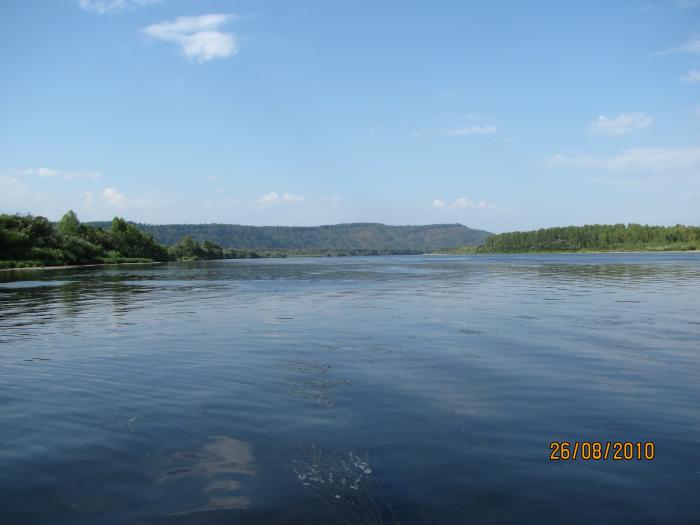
(601, 450)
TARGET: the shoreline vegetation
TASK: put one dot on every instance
(30, 242)
(594, 238)
(450, 252)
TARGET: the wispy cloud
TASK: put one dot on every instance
(17, 196)
(41, 172)
(691, 46)
(691, 77)
(112, 196)
(273, 198)
(66, 176)
(108, 197)
(472, 130)
(465, 203)
(620, 125)
(198, 37)
(640, 159)
(481, 129)
(103, 7)
(12, 186)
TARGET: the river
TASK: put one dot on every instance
(358, 390)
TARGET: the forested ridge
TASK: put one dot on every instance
(31, 241)
(27, 240)
(338, 238)
(595, 237)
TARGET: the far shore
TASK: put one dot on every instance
(445, 254)
(70, 267)
(582, 252)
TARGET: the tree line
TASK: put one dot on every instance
(28, 241)
(33, 241)
(595, 237)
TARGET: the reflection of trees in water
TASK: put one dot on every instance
(124, 297)
(48, 301)
(619, 272)
(221, 467)
(530, 268)
(30, 306)
(344, 482)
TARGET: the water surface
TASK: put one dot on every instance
(350, 390)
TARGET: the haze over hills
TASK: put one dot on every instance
(354, 236)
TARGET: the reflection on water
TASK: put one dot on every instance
(405, 390)
(221, 467)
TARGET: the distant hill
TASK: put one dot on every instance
(354, 236)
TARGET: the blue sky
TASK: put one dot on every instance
(498, 115)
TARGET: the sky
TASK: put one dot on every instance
(500, 115)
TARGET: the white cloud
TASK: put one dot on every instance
(197, 36)
(289, 197)
(112, 196)
(483, 129)
(269, 198)
(691, 77)
(640, 159)
(273, 197)
(102, 7)
(471, 130)
(465, 203)
(46, 172)
(620, 125)
(40, 172)
(691, 46)
(111, 199)
(66, 176)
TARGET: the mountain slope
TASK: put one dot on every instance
(355, 236)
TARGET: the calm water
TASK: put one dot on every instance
(350, 390)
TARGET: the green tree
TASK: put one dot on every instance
(69, 224)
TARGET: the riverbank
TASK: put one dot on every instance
(579, 252)
(73, 266)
